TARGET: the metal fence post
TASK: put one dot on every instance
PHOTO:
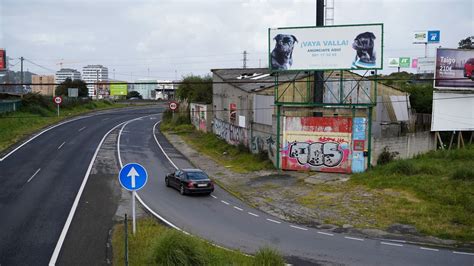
(126, 239)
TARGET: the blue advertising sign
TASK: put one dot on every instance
(133, 176)
(433, 36)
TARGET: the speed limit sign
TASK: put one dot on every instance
(58, 100)
(173, 105)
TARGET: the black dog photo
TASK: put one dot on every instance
(365, 52)
(283, 51)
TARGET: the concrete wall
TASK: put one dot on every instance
(407, 146)
(201, 116)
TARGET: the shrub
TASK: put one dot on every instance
(32, 99)
(175, 248)
(404, 167)
(36, 109)
(167, 115)
(463, 173)
(386, 156)
(183, 119)
(268, 257)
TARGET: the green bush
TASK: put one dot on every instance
(32, 99)
(463, 173)
(36, 109)
(268, 257)
(175, 248)
(167, 115)
(386, 156)
(404, 167)
(183, 119)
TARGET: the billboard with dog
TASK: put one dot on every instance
(357, 47)
(454, 69)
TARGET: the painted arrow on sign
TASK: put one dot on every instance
(132, 174)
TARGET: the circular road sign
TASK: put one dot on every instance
(173, 105)
(58, 100)
(133, 176)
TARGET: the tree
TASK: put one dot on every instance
(467, 43)
(134, 94)
(195, 89)
(62, 89)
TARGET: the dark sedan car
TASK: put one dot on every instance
(189, 181)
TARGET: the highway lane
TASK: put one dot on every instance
(39, 182)
(231, 223)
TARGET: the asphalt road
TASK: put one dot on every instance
(39, 183)
(231, 223)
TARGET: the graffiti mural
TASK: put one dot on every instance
(232, 134)
(263, 143)
(199, 114)
(317, 144)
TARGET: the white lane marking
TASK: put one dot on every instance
(62, 237)
(214, 196)
(237, 208)
(354, 238)
(60, 146)
(225, 202)
(156, 214)
(300, 228)
(430, 249)
(324, 233)
(161, 148)
(105, 119)
(253, 214)
(82, 128)
(391, 244)
(41, 133)
(31, 178)
(463, 253)
(393, 240)
(273, 221)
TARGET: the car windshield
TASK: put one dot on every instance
(197, 175)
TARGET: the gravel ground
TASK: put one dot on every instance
(289, 195)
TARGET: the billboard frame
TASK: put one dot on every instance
(331, 26)
(445, 88)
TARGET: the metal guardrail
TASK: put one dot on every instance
(7, 106)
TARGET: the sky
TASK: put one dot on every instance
(166, 40)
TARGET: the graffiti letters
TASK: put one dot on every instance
(316, 153)
(232, 134)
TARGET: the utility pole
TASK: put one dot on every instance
(245, 60)
(97, 85)
(21, 71)
(319, 75)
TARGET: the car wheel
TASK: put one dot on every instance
(181, 190)
(167, 182)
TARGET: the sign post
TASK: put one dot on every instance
(133, 177)
(173, 106)
(58, 100)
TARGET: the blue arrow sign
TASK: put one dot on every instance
(433, 36)
(133, 176)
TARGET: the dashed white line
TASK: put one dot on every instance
(82, 128)
(463, 253)
(253, 214)
(273, 221)
(225, 202)
(300, 228)
(60, 146)
(214, 196)
(37, 171)
(237, 208)
(105, 119)
(430, 249)
(324, 233)
(391, 244)
(354, 238)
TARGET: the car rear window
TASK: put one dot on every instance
(197, 175)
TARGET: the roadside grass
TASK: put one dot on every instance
(155, 244)
(236, 158)
(434, 192)
(18, 125)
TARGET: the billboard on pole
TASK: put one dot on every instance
(426, 36)
(454, 69)
(118, 89)
(452, 111)
(425, 65)
(326, 48)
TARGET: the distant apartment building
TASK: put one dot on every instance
(47, 89)
(93, 75)
(65, 73)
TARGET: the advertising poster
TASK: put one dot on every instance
(454, 69)
(405, 62)
(3, 60)
(394, 62)
(326, 48)
(425, 65)
(117, 89)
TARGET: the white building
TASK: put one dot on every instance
(93, 74)
(65, 73)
